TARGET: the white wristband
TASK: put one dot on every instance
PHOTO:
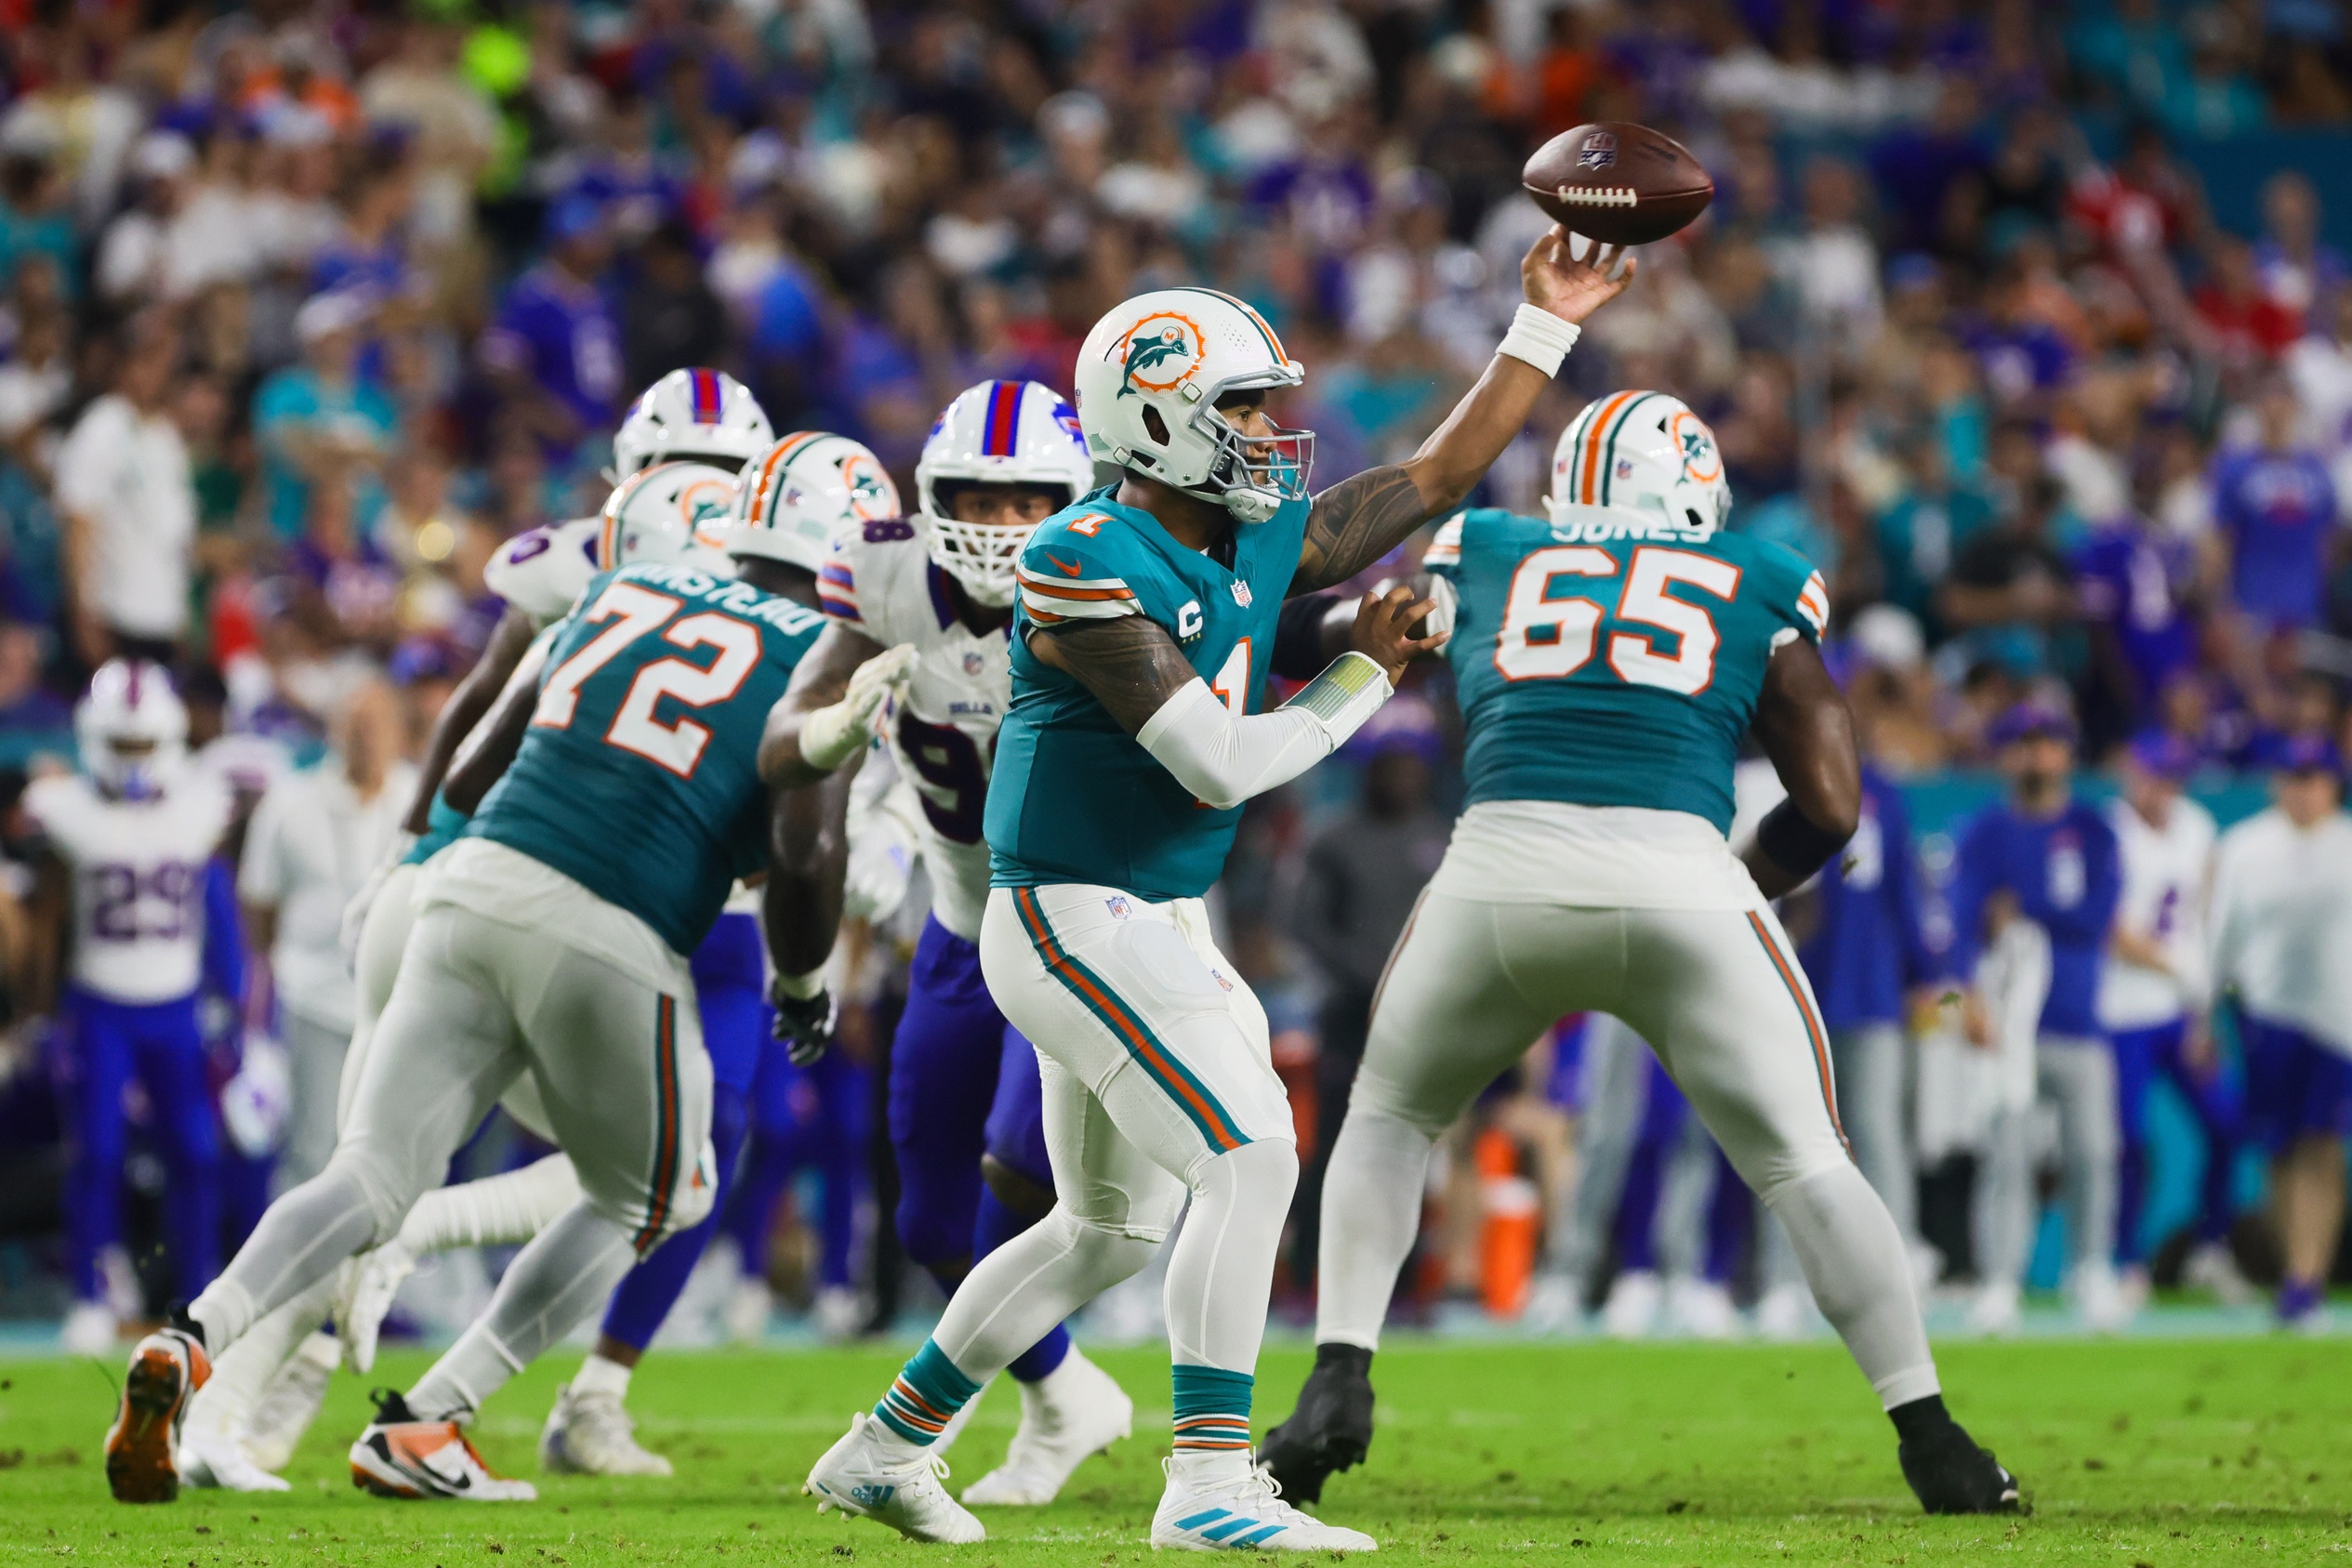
(830, 734)
(1540, 337)
(801, 987)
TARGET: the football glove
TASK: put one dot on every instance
(804, 1023)
(831, 735)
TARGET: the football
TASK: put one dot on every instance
(1618, 183)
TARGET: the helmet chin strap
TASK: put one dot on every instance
(1249, 505)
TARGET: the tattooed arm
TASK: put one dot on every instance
(1360, 520)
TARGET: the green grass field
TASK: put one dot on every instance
(2134, 1452)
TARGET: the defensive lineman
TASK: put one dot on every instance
(1611, 658)
(965, 1117)
(1146, 611)
(550, 942)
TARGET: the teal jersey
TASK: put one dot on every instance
(1073, 798)
(444, 824)
(638, 775)
(1611, 661)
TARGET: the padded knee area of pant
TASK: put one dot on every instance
(1262, 1173)
(1102, 1257)
(387, 1194)
(1374, 1095)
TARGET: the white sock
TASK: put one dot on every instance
(598, 1376)
(503, 1210)
(1371, 1211)
(1860, 1272)
(1221, 1271)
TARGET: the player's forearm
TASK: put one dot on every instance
(809, 857)
(820, 682)
(464, 709)
(490, 748)
(1806, 730)
(1224, 758)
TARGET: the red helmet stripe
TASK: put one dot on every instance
(708, 400)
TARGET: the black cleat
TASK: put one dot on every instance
(1950, 1474)
(1331, 1428)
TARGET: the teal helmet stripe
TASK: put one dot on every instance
(1608, 453)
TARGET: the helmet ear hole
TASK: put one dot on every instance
(1155, 425)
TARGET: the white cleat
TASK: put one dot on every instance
(1231, 1505)
(2099, 1299)
(1787, 1313)
(838, 1314)
(1997, 1309)
(210, 1460)
(2214, 1267)
(363, 1295)
(591, 1434)
(1070, 1414)
(1701, 1308)
(860, 1477)
(749, 1305)
(90, 1329)
(1632, 1304)
(399, 1456)
(289, 1403)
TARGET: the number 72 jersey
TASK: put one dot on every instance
(1611, 661)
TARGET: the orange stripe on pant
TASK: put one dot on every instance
(1814, 1031)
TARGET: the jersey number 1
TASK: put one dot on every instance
(1546, 638)
(638, 612)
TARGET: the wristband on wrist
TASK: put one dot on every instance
(829, 735)
(1791, 841)
(1348, 691)
(1540, 339)
(801, 987)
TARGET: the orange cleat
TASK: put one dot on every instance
(399, 1456)
(167, 1369)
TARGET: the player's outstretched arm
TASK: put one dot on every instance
(827, 713)
(1805, 728)
(800, 903)
(489, 747)
(464, 709)
(1136, 671)
(1360, 520)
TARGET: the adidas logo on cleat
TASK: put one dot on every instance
(872, 1496)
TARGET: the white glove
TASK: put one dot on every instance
(831, 735)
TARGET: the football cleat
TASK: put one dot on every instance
(167, 1369)
(860, 1478)
(1634, 1298)
(363, 1295)
(209, 1459)
(289, 1403)
(1950, 1474)
(2099, 1299)
(2214, 1267)
(399, 1456)
(1996, 1308)
(1071, 1414)
(590, 1433)
(90, 1329)
(1237, 1507)
(1332, 1427)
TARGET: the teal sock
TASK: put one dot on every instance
(1212, 1408)
(925, 1396)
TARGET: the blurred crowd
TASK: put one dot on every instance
(307, 306)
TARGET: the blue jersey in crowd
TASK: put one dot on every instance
(2278, 510)
(560, 332)
(1867, 951)
(2065, 873)
(2136, 583)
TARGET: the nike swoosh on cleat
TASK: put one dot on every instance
(1069, 568)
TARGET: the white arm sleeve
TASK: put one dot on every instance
(1225, 759)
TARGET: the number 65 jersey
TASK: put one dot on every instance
(1610, 661)
(882, 583)
(139, 880)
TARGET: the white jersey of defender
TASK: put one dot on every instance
(139, 880)
(880, 582)
(541, 571)
(2165, 872)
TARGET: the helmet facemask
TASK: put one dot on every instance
(979, 556)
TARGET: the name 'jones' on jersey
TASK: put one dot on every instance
(638, 775)
(1604, 661)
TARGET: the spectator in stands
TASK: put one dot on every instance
(2276, 512)
(320, 422)
(2282, 948)
(313, 840)
(554, 348)
(128, 504)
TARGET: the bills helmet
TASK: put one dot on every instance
(131, 728)
(699, 415)
(999, 432)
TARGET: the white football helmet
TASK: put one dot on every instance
(697, 416)
(999, 432)
(1148, 380)
(131, 728)
(1643, 451)
(807, 487)
(670, 512)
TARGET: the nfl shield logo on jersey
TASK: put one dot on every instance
(972, 662)
(1241, 595)
(1599, 151)
(1116, 905)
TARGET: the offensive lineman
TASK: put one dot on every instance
(1611, 658)
(964, 1108)
(1146, 614)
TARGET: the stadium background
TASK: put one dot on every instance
(1994, 301)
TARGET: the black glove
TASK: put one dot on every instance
(804, 1023)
